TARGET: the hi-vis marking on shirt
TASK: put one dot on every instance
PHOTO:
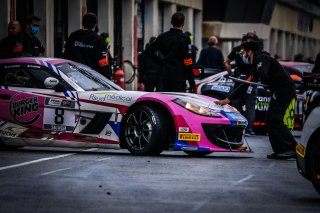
(187, 61)
(189, 137)
(103, 62)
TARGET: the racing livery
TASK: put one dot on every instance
(56, 102)
(221, 85)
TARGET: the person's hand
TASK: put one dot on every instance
(140, 86)
(193, 89)
(223, 102)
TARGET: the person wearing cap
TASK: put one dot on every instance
(173, 50)
(244, 71)
(282, 91)
(87, 47)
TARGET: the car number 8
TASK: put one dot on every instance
(58, 119)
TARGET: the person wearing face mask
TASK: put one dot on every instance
(282, 91)
(31, 45)
(87, 47)
(10, 46)
(243, 69)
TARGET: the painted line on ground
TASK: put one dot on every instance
(51, 172)
(243, 180)
(40, 160)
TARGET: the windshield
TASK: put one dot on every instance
(304, 68)
(86, 78)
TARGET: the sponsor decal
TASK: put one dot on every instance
(183, 129)
(300, 150)
(110, 96)
(67, 103)
(24, 110)
(54, 102)
(108, 133)
(34, 66)
(262, 103)
(189, 137)
(12, 66)
(221, 88)
(7, 133)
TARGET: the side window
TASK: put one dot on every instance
(28, 76)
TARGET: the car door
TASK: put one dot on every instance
(26, 101)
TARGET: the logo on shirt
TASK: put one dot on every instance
(259, 65)
(82, 45)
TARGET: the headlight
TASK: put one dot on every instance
(196, 108)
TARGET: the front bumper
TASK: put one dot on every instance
(301, 160)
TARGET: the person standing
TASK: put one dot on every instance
(244, 71)
(269, 71)
(31, 45)
(149, 70)
(211, 56)
(10, 46)
(87, 47)
(173, 50)
(316, 68)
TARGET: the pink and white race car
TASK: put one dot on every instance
(56, 102)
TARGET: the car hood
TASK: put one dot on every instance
(128, 98)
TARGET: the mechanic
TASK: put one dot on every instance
(211, 56)
(270, 72)
(244, 71)
(87, 47)
(31, 45)
(10, 47)
(174, 53)
(149, 71)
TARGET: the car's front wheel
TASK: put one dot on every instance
(314, 165)
(144, 130)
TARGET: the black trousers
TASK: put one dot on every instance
(280, 137)
(174, 86)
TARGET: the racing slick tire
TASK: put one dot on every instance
(197, 153)
(314, 164)
(144, 130)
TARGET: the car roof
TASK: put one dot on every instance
(293, 63)
(34, 60)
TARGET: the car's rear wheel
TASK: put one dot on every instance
(144, 130)
(197, 153)
(314, 165)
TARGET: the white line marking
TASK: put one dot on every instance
(102, 159)
(35, 161)
(58, 170)
(42, 159)
(243, 180)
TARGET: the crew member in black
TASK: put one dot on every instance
(87, 47)
(149, 71)
(31, 45)
(271, 73)
(244, 71)
(175, 52)
(10, 46)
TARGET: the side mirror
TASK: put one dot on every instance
(51, 82)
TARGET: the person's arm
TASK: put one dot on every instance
(188, 63)
(102, 58)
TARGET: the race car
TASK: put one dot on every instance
(221, 85)
(57, 102)
(308, 148)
